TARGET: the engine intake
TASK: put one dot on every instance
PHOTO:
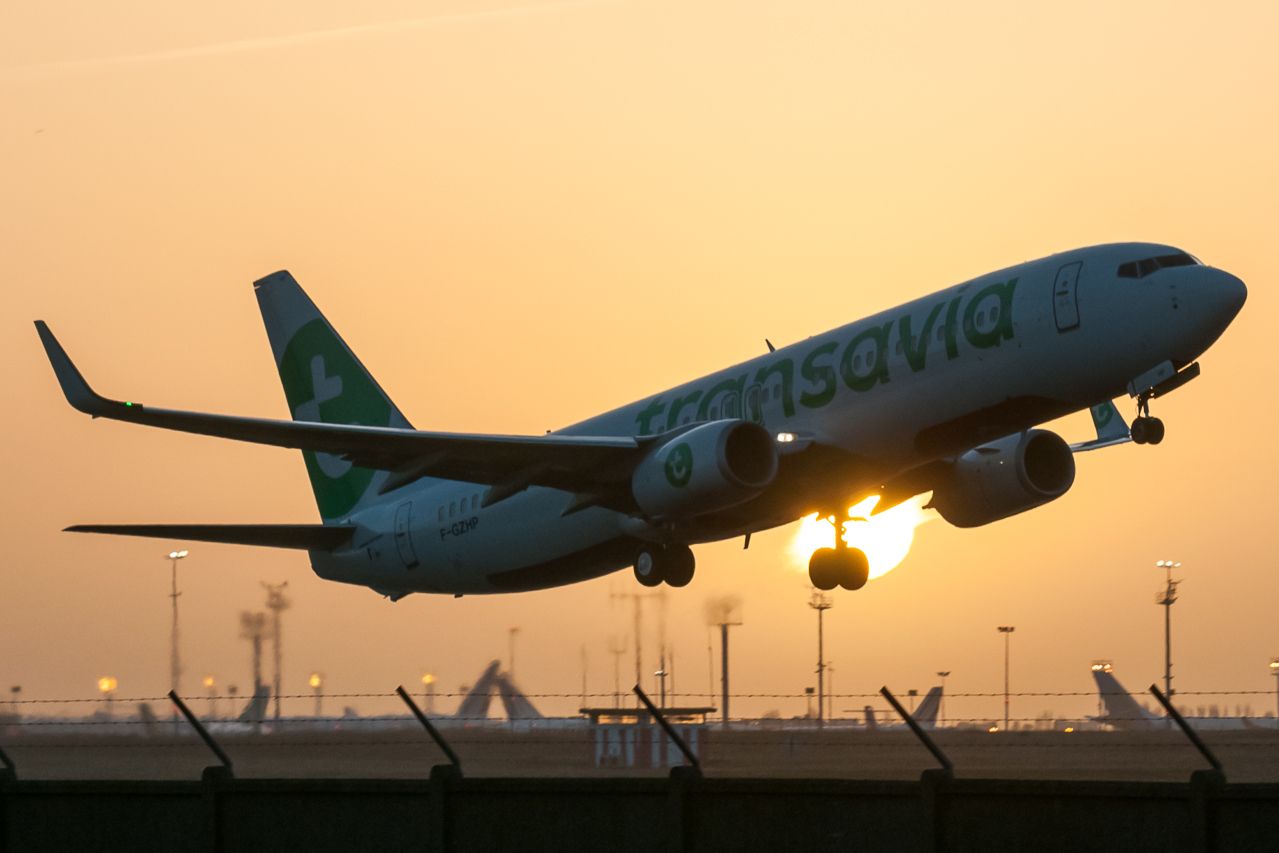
(711, 467)
(1008, 476)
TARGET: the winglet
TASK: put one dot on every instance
(77, 391)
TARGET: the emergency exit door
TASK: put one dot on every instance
(403, 541)
(1066, 297)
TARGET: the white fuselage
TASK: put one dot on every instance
(923, 381)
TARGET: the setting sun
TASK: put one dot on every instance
(885, 538)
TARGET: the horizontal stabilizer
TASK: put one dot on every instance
(308, 537)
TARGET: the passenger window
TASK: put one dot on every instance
(714, 412)
(941, 330)
(452, 508)
(475, 502)
(857, 362)
(870, 359)
(981, 319)
(994, 314)
(441, 512)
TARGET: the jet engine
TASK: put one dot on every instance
(711, 467)
(1008, 476)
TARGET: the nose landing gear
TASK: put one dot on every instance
(672, 564)
(1145, 429)
(839, 566)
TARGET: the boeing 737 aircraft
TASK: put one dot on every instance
(942, 394)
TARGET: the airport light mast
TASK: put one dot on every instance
(277, 603)
(1007, 631)
(941, 708)
(1274, 670)
(821, 603)
(726, 613)
(617, 648)
(1166, 598)
(175, 661)
(511, 634)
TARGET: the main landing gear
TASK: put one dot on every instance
(839, 566)
(1145, 429)
(673, 564)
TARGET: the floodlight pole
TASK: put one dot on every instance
(175, 661)
(1007, 631)
(821, 603)
(1167, 599)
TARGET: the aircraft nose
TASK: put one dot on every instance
(1225, 296)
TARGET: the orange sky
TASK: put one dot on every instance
(519, 215)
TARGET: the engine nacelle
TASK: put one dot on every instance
(1008, 476)
(710, 467)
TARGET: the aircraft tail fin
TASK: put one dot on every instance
(1122, 710)
(872, 722)
(255, 711)
(324, 382)
(926, 713)
(475, 704)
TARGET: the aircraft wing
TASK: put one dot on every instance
(1111, 427)
(592, 466)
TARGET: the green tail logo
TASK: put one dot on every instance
(324, 384)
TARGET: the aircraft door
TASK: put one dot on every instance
(754, 406)
(403, 540)
(1066, 297)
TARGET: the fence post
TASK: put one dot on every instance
(680, 779)
(225, 771)
(9, 772)
(443, 777)
(1190, 733)
(946, 765)
(694, 765)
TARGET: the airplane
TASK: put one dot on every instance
(925, 715)
(1123, 713)
(942, 394)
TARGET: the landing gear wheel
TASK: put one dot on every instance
(854, 568)
(680, 564)
(1154, 430)
(673, 564)
(648, 567)
(824, 569)
(1147, 430)
(1140, 430)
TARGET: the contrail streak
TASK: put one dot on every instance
(312, 37)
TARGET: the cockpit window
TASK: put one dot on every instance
(1144, 267)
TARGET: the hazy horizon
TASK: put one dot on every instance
(520, 215)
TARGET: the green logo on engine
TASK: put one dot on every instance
(679, 466)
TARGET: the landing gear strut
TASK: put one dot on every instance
(1145, 429)
(839, 566)
(673, 564)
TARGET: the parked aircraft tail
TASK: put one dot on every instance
(1122, 710)
(255, 711)
(926, 713)
(324, 382)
